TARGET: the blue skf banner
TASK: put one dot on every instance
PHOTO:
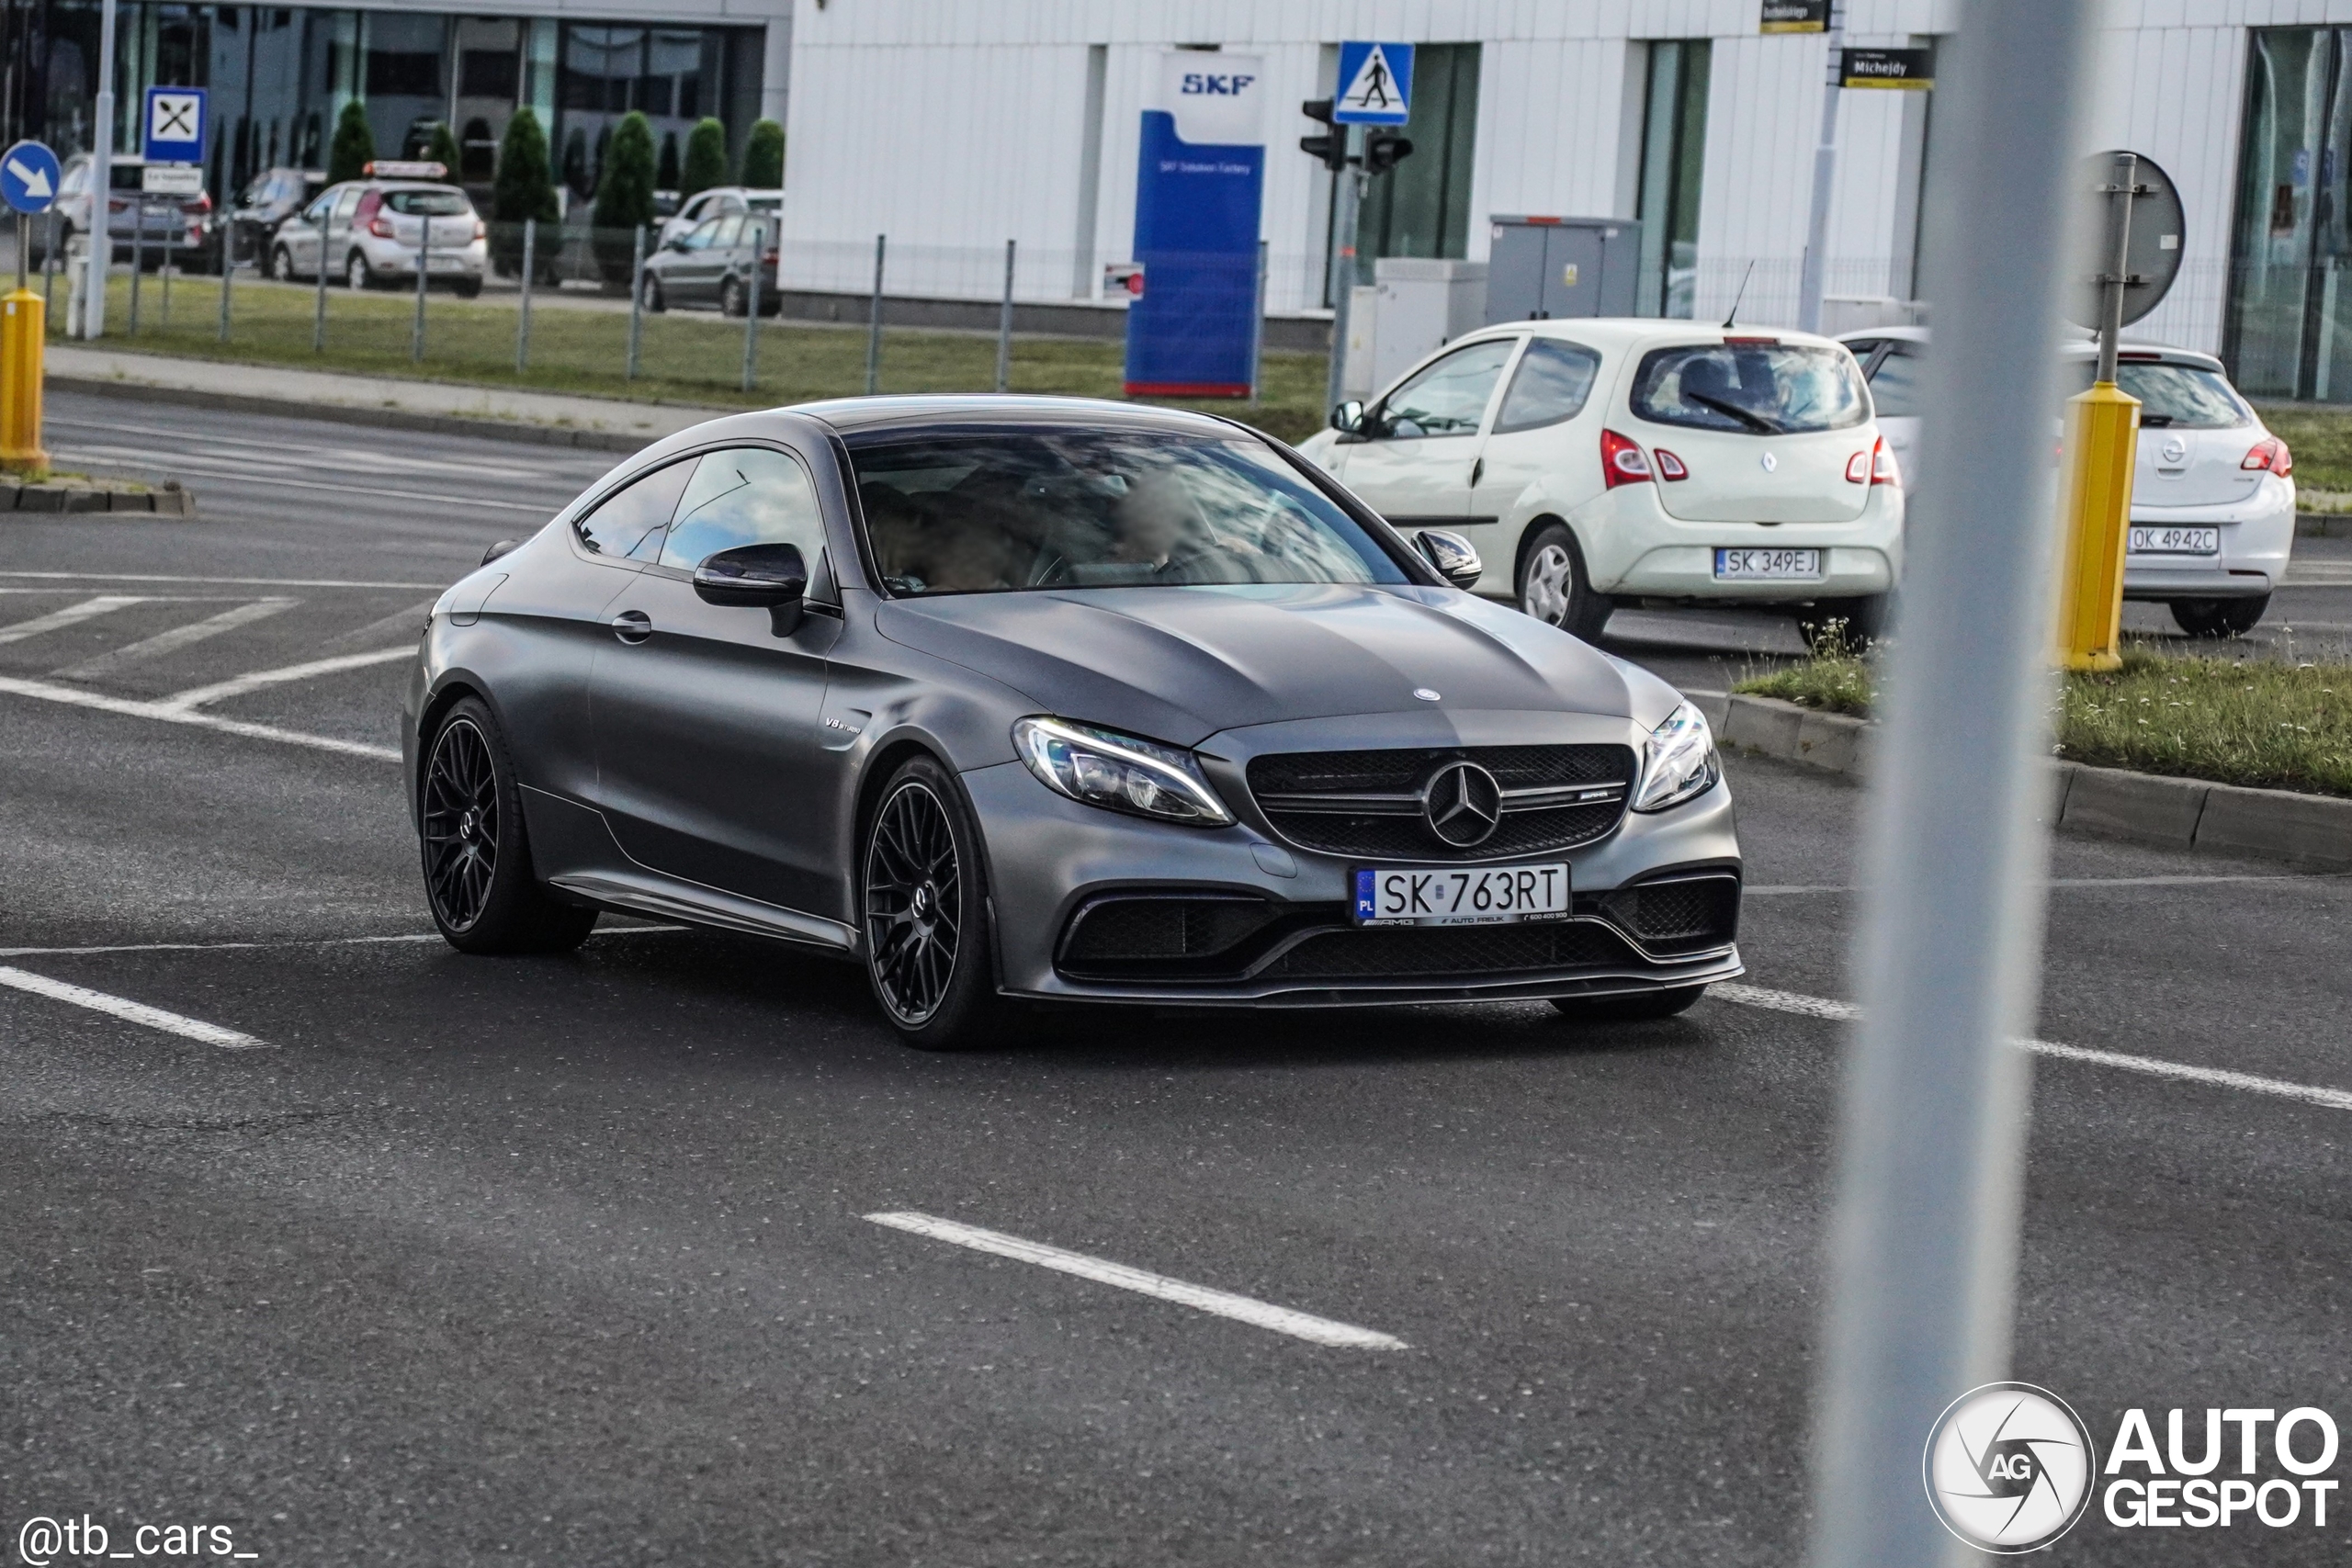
(1199, 186)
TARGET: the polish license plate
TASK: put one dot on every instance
(1750, 565)
(2174, 542)
(1487, 896)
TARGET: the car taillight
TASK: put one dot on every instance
(1883, 467)
(1621, 462)
(380, 227)
(2271, 454)
(200, 206)
(481, 229)
(1857, 468)
(1669, 467)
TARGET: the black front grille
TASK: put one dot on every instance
(1679, 915)
(1392, 953)
(1391, 833)
(1134, 937)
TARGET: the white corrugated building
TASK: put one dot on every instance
(954, 125)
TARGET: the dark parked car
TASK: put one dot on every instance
(269, 199)
(711, 265)
(1033, 698)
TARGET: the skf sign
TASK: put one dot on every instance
(1213, 84)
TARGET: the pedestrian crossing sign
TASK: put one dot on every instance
(1377, 83)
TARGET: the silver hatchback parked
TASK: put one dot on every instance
(370, 233)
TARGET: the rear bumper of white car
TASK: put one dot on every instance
(2257, 536)
(1635, 550)
(391, 259)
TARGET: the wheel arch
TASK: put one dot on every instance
(1528, 531)
(888, 756)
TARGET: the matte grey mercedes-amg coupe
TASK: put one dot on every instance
(1011, 698)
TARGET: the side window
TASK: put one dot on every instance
(1551, 384)
(1448, 398)
(628, 524)
(1895, 385)
(731, 234)
(347, 201)
(745, 495)
(703, 235)
(317, 211)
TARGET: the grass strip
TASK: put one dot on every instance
(686, 357)
(2259, 723)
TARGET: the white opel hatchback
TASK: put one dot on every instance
(1597, 461)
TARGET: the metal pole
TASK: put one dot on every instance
(49, 264)
(523, 316)
(874, 323)
(228, 275)
(24, 245)
(1932, 1118)
(165, 272)
(1810, 281)
(636, 300)
(424, 269)
(2126, 185)
(319, 312)
(138, 256)
(1258, 330)
(1343, 275)
(94, 289)
(751, 310)
(1004, 327)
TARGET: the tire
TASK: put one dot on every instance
(734, 300)
(467, 288)
(475, 852)
(1553, 586)
(281, 266)
(1633, 1009)
(652, 298)
(2219, 617)
(357, 274)
(930, 954)
(1843, 626)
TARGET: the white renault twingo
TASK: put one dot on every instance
(1597, 461)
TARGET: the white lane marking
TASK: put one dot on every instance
(172, 641)
(272, 946)
(72, 614)
(130, 1011)
(1243, 1309)
(254, 680)
(408, 623)
(231, 582)
(2318, 574)
(1768, 890)
(75, 696)
(2217, 1078)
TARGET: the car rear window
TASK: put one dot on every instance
(1755, 387)
(2173, 397)
(428, 203)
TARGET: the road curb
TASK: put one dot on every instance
(380, 418)
(52, 498)
(2110, 802)
(2324, 525)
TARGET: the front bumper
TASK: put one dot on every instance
(1050, 858)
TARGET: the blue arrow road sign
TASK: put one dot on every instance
(1375, 83)
(174, 125)
(29, 177)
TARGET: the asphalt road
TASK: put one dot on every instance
(568, 1261)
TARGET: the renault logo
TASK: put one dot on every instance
(1771, 463)
(1461, 803)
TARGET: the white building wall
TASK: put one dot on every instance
(954, 125)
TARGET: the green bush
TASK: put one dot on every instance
(705, 159)
(355, 145)
(624, 196)
(665, 175)
(525, 189)
(442, 148)
(764, 156)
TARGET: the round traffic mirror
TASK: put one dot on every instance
(2158, 231)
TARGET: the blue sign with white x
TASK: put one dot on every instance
(174, 126)
(1375, 83)
(29, 178)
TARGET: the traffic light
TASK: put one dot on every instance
(1332, 145)
(1384, 149)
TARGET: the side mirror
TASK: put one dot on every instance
(770, 577)
(1455, 559)
(1347, 418)
(500, 548)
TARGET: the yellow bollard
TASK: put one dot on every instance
(2102, 443)
(23, 329)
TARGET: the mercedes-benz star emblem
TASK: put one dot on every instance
(1426, 694)
(1771, 463)
(1463, 803)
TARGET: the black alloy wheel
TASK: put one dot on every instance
(927, 948)
(476, 859)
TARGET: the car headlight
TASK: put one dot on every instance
(1679, 762)
(1102, 767)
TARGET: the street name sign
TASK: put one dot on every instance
(1909, 68)
(1794, 16)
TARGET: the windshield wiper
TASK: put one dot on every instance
(1747, 417)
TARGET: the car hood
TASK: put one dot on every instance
(1178, 664)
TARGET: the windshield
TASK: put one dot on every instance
(1756, 387)
(1009, 510)
(2173, 397)
(428, 203)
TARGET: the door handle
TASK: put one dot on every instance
(632, 625)
(1477, 472)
